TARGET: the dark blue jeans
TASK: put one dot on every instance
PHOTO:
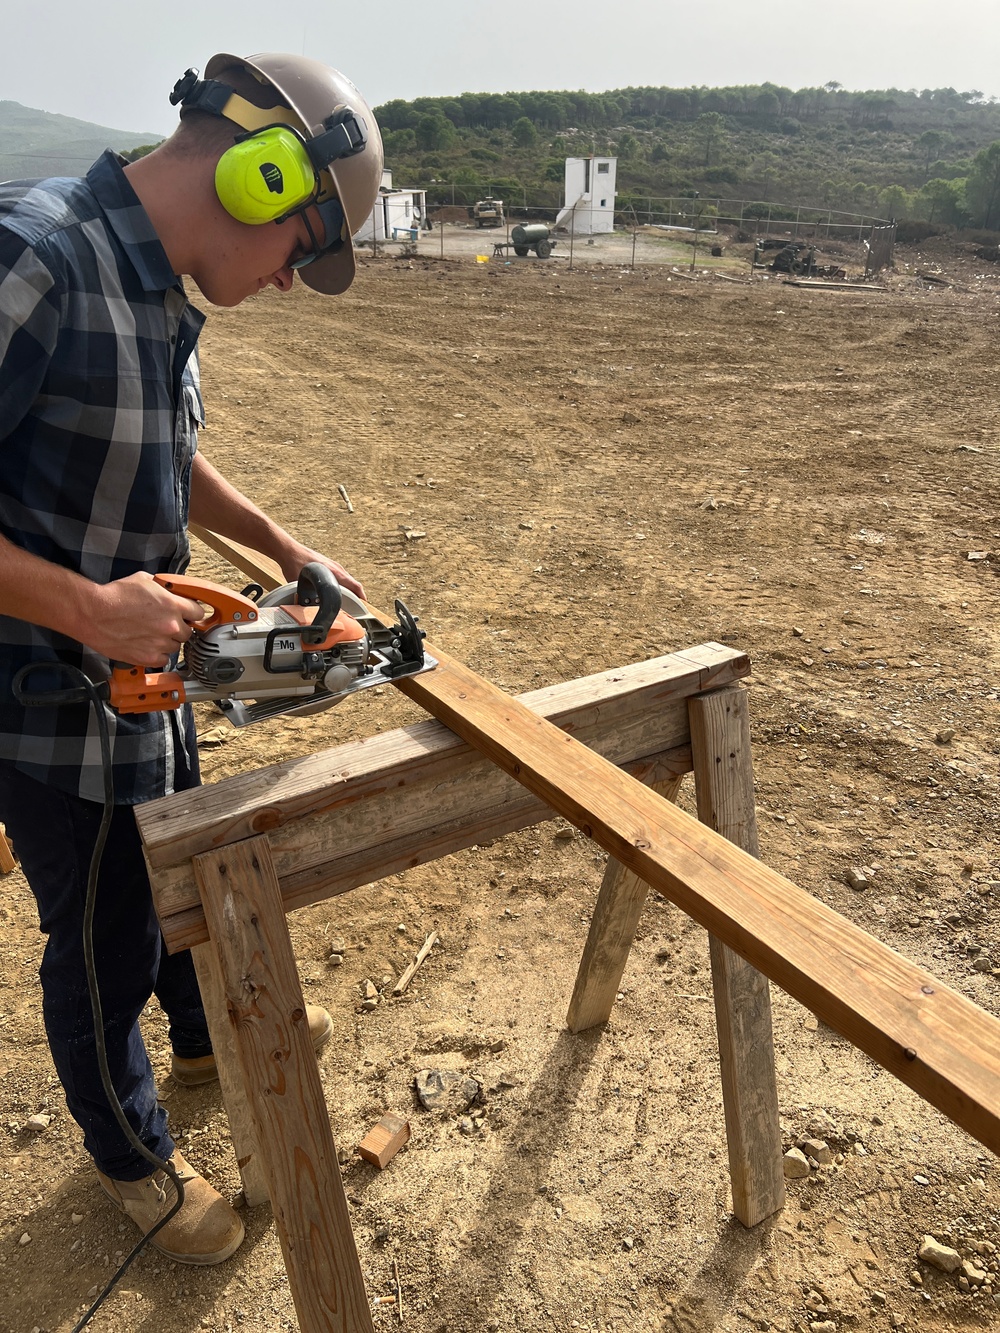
(54, 833)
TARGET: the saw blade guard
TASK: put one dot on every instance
(379, 654)
(288, 593)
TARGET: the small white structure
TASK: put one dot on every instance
(397, 214)
(590, 195)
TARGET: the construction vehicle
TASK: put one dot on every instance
(795, 258)
(487, 213)
(798, 260)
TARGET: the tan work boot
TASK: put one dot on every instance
(203, 1069)
(205, 1231)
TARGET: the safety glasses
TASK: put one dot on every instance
(332, 216)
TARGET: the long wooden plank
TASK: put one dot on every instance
(256, 566)
(271, 1035)
(940, 1044)
(723, 775)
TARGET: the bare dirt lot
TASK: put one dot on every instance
(560, 473)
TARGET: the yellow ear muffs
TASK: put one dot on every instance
(265, 175)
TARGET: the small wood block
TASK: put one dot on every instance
(381, 1144)
(8, 860)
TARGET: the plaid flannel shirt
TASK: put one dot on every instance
(99, 415)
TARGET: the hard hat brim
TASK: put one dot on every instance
(331, 274)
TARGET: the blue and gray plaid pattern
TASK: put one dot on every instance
(99, 414)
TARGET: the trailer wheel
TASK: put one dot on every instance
(543, 249)
(521, 250)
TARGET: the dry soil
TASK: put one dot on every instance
(562, 472)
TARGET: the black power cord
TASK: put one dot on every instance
(83, 690)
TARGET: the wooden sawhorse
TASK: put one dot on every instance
(228, 905)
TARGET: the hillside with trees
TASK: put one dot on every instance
(932, 154)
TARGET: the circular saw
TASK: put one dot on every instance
(299, 649)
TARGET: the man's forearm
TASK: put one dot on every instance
(42, 593)
(217, 505)
(132, 619)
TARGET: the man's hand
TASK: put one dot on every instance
(291, 566)
(134, 620)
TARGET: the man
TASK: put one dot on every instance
(276, 163)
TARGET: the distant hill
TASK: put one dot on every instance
(37, 143)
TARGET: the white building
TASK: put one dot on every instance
(590, 195)
(397, 214)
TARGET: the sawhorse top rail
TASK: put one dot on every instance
(424, 791)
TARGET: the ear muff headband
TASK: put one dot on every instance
(265, 176)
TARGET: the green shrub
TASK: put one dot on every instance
(980, 237)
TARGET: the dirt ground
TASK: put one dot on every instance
(560, 473)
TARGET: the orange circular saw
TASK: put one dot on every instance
(298, 649)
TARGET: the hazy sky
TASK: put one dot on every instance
(114, 61)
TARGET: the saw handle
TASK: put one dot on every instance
(227, 606)
(318, 587)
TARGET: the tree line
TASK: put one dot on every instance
(932, 154)
(560, 110)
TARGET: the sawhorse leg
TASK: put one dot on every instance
(267, 1013)
(720, 745)
(723, 775)
(612, 929)
(220, 1029)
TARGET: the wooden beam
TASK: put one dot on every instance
(183, 922)
(931, 1038)
(271, 1034)
(249, 562)
(723, 775)
(423, 791)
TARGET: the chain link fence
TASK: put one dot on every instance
(681, 231)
